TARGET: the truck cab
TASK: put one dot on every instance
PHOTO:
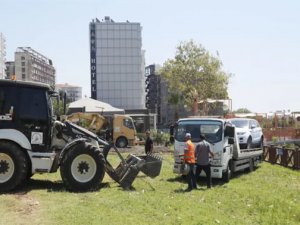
(124, 132)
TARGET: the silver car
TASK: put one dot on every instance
(249, 132)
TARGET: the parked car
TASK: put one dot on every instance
(249, 132)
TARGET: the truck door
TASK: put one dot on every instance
(254, 131)
(128, 127)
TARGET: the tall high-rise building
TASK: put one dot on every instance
(157, 98)
(2, 56)
(117, 63)
(153, 89)
(157, 95)
(33, 66)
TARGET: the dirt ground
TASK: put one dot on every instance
(27, 206)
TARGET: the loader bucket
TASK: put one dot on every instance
(152, 166)
(126, 172)
(128, 169)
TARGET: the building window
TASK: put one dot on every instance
(22, 58)
(23, 69)
(23, 63)
(23, 76)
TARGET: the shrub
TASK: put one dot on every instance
(160, 137)
(275, 139)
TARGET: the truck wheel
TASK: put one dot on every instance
(227, 174)
(261, 143)
(82, 168)
(122, 142)
(13, 166)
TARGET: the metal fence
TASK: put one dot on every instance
(287, 157)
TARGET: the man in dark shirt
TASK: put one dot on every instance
(148, 143)
(202, 156)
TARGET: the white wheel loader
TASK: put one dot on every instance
(32, 141)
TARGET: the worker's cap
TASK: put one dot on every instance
(188, 135)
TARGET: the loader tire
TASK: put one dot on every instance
(13, 166)
(82, 168)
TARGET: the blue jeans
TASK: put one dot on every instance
(191, 178)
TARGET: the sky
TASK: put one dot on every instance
(258, 41)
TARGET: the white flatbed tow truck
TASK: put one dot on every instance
(220, 133)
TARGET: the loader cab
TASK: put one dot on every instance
(26, 107)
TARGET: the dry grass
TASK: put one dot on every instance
(269, 195)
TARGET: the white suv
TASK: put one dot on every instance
(249, 132)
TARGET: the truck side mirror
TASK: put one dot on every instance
(172, 139)
(65, 102)
(172, 134)
(229, 132)
(172, 130)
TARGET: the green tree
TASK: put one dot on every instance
(242, 110)
(175, 99)
(194, 74)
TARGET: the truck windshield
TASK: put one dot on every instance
(212, 130)
(128, 123)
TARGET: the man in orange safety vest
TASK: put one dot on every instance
(189, 159)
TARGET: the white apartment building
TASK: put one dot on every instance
(117, 63)
(10, 69)
(2, 56)
(33, 66)
(73, 92)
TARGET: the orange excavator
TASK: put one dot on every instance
(119, 128)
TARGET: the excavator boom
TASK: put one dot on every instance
(93, 121)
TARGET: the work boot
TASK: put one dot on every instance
(188, 189)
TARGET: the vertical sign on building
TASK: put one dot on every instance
(93, 60)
